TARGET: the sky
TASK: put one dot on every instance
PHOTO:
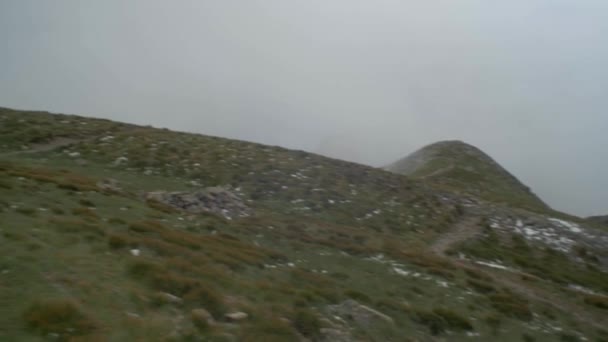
(366, 81)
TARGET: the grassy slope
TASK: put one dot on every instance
(64, 239)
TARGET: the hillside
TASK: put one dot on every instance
(599, 219)
(117, 232)
(464, 168)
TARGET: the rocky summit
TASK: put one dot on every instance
(117, 232)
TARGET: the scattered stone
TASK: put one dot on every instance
(214, 199)
(168, 298)
(236, 316)
(74, 154)
(135, 252)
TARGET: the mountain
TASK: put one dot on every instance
(117, 232)
(465, 168)
(599, 219)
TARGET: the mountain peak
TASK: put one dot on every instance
(464, 167)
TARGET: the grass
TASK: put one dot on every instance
(307, 323)
(59, 316)
(440, 320)
(297, 253)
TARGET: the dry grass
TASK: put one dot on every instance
(59, 316)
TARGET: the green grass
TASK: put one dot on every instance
(64, 239)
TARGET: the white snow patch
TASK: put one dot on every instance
(573, 227)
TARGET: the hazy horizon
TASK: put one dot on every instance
(370, 82)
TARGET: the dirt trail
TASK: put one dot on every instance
(463, 230)
(466, 229)
(48, 146)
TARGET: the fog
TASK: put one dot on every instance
(367, 81)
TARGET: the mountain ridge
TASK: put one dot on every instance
(141, 233)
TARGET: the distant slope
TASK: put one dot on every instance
(466, 168)
(599, 219)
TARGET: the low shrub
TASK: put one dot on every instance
(440, 320)
(597, 301)
(116, 241)
(436, 324)
(307, 323)
(208, 298)
(268, 330)
(493, 321)
(454, 320)
(358, 296)
(143, 270)
(86, 203)
(481, 286)
(511, 305)
(26, 211)
(116, 221)
(60, 316)
(85, 213)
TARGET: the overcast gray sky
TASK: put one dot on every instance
(368, 81)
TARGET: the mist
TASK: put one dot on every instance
(366, 81)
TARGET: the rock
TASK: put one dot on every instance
(120, 161)
(74, 154)
(201, 317)
(214, 199)
(236, 316)
(135, 252)
(361, 314)
(168, 298)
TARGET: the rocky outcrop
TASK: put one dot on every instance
(216, 200)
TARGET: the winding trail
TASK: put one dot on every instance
(467, 228)
(48, 146)
(463, 230)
